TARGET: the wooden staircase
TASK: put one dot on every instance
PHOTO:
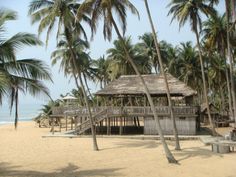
(81, 128)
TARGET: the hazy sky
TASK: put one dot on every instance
(136, 27)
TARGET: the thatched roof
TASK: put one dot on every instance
(69, 97)
(131, 85)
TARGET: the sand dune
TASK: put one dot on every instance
(23, 153)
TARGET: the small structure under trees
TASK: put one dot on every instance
(122, 107)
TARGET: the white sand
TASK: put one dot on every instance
(24, 153)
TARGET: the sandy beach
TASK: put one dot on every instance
(24, 153)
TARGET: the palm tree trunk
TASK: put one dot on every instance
(204, 85)
(175, 131)
(222, 102)
(223, 54)
(95, 146)
(229, 92)
(92, 123)
(233, 11)
(87, 87)
(16, 109)
(169, 155)
(231, 62)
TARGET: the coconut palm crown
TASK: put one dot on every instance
(103, 9)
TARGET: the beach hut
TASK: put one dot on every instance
(123, 107)
(126, 99)
(70, 100)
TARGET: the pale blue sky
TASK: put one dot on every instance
(135, 28)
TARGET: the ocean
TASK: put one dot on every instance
(26, 112)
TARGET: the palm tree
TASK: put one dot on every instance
(189, 66)
(217, 77)
(101, 66)
(104, 9)
(147, 47)
(229, 55)
(177, 145)
(183, 11)
(48, 12)
(118, 64)
(215, 36)
(25, 75)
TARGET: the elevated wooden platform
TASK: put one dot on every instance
(82, 122)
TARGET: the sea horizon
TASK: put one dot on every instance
(27, 112)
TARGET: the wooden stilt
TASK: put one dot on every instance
(138, 122)
(53, 125)
(120, 132)
(66, 123)
(135, 123)
(71, 123)
(108, 126)
(60, 124)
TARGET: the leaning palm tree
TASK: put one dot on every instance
(183, 11)
(50, 12)
(24, 75)
(105, 9)
(175, 131)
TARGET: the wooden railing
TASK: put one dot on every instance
(80, 128)
(100, 113)
(127, 110)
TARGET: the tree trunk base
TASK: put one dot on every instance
(177, 148)
(172, 160)
(95, 149)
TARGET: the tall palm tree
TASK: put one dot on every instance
(105, 9)
(24, 75)
(215, 36)
(48, 12)
(217, 80)
(229, 55)
(183, 11)
(175, 131)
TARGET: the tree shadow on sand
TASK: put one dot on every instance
(191, 152)
(146, 144)
(71, 170)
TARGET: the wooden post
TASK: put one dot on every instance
(135, 123)
(66, 122)
(71, 123)
(121, 127)
(145, 101)
(109, 126)
(138, 121)
(60, 123)
(52, 125)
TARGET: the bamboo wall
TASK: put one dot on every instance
(185, 126)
